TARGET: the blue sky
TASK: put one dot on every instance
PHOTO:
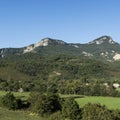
(23, 22)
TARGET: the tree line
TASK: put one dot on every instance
(78, 87)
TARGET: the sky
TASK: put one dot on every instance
(24, 22)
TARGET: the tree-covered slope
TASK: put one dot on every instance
(53, 60)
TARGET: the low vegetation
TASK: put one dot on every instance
(52, 107)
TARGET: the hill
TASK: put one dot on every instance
(52, 62)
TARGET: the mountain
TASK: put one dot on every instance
(54, 62)
(104, 48)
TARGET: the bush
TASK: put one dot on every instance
(115, 114)
(44, 104)
(70, 109)
(9, 101)
(96, 112)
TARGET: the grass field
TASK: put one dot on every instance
(17, 115)
(110, 102)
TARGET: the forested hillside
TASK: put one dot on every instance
(54, 72)
(53, 65)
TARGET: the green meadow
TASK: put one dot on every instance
(109, 102)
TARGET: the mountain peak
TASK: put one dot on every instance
(48, 41)
(103, 39)
(44, 42)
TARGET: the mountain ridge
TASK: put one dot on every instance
(103, 39)
(103, 47)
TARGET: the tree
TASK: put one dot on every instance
(52, 88)
(116, 114)
(44, 104)
(95, 112)
(9, 101)
(70, 109)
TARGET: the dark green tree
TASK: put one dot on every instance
(115, 114)
(9, 101)
(95, 112)
(44, 104)
(70, 109)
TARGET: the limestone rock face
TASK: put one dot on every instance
(116, 57)
(44, 42)
(103, 39)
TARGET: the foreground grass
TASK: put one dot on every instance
(110, 102)
(17, 115)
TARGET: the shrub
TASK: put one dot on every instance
(70, 109)
(96, 112)
(44, 104)
(9, 101)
